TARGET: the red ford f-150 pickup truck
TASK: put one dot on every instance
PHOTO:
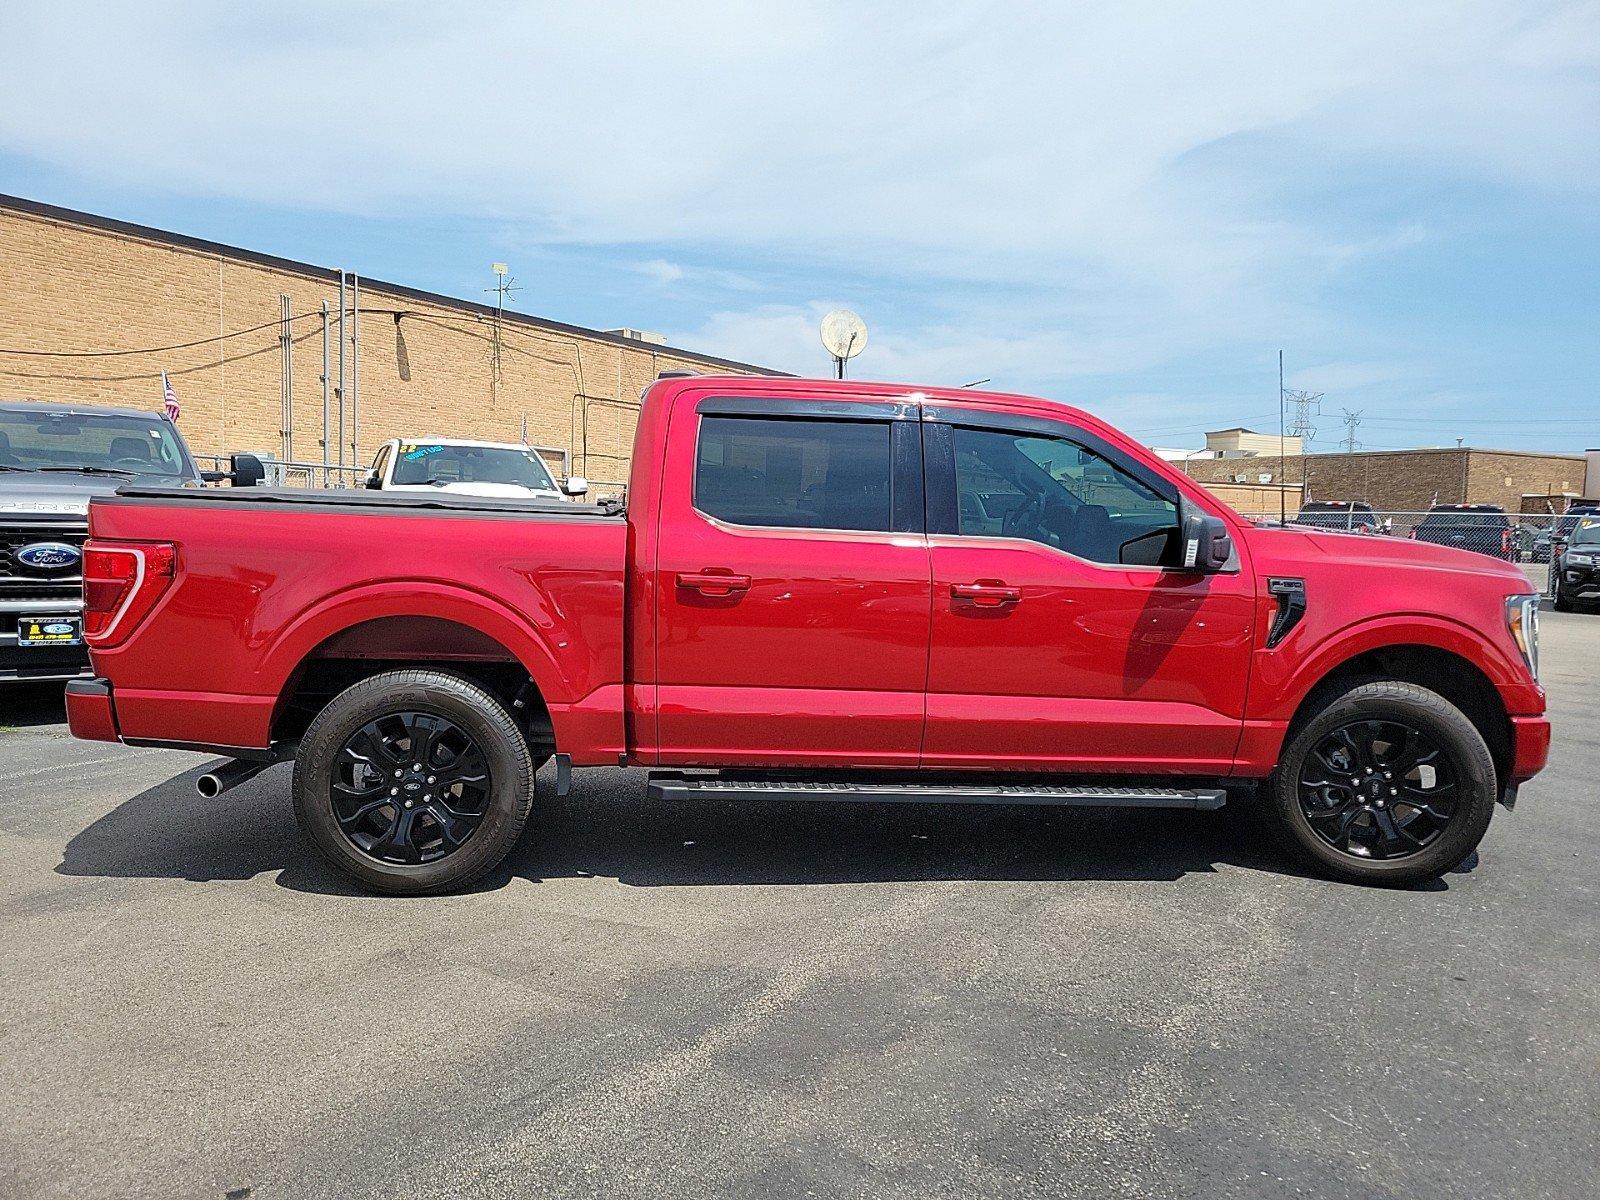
(823, 590)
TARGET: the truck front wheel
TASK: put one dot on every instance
(1388, 783)
(413, 782)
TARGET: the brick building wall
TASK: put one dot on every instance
(71, 281)
(1411, 480)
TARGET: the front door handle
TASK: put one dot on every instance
(986, 594)
(714, 583)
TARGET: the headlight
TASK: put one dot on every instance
(1581, 560)
(1522, 618)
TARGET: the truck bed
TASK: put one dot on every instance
(272, 582)
(365, 501)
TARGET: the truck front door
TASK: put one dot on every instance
(791, 585)
(1062, 636)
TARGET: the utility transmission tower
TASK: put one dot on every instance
(1351, 420)
(1307, 406)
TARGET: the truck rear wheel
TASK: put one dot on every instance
(1388, 783)
(413, 782)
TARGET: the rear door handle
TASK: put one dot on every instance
(714, 583)
(986, 594)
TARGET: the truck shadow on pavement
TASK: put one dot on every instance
(608, 829)
(24, 705)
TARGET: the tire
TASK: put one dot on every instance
(1463, 786)
(1561, 603)
(459, 829)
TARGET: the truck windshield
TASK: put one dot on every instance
(1446, 517)
(1586, 534)
(432, 463)
(89, 441)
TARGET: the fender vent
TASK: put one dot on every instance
(1291, 597)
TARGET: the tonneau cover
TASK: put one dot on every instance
(363, 499)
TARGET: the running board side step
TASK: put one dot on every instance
(690, 787)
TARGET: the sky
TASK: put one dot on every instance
(1130, 207)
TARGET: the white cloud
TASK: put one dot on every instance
(660, 271)
(947, 353)
(1063, 189)
(1334, 377)
(838, 128)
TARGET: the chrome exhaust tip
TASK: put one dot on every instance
(227, 776)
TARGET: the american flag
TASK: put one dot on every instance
(171, 397)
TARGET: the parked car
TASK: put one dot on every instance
(1559, 529)
(1482, 528)
(54, 458)
(1578, 567)
(502, 469)
(801, 601)
(1352, 516)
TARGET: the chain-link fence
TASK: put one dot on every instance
(295, 474)
(318, 475)
(1531, 540)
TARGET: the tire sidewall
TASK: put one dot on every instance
(478, 714)
(1470, 760)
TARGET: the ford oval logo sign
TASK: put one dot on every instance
(49, 556)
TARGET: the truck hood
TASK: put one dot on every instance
(53, 494)
(503, 491)
(1279, 549)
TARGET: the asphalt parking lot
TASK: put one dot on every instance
(785, 999)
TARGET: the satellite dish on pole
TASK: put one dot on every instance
(844, 335)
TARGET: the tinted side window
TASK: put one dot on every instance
(1060, 494)
(794, 472)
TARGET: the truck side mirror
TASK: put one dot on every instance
(1207, 548)
(244, 470)
(575, 485)
(374, 482)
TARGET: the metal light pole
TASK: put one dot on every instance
(325, 382)
(341, 364)
(355, 370)
(1283, 500)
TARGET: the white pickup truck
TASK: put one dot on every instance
(503, 469)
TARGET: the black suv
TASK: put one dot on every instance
(53, 458)
(1349, 515)
(1578, 566)
(1560, 528)
(1484, 528)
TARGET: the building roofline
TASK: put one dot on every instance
(72, 216)
(1572, 455)
(1443, 450)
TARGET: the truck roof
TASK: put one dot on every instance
(430, 440)
(861, 389)
(84, 410)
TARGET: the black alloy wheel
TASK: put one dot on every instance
(1378, 789)
(414, 782)
(1384, 782)
(410, 787)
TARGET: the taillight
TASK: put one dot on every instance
(121, 583)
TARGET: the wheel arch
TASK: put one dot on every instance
(381, 628)
(1427, 664)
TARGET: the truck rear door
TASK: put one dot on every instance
(1061, 638)
(791, 584)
